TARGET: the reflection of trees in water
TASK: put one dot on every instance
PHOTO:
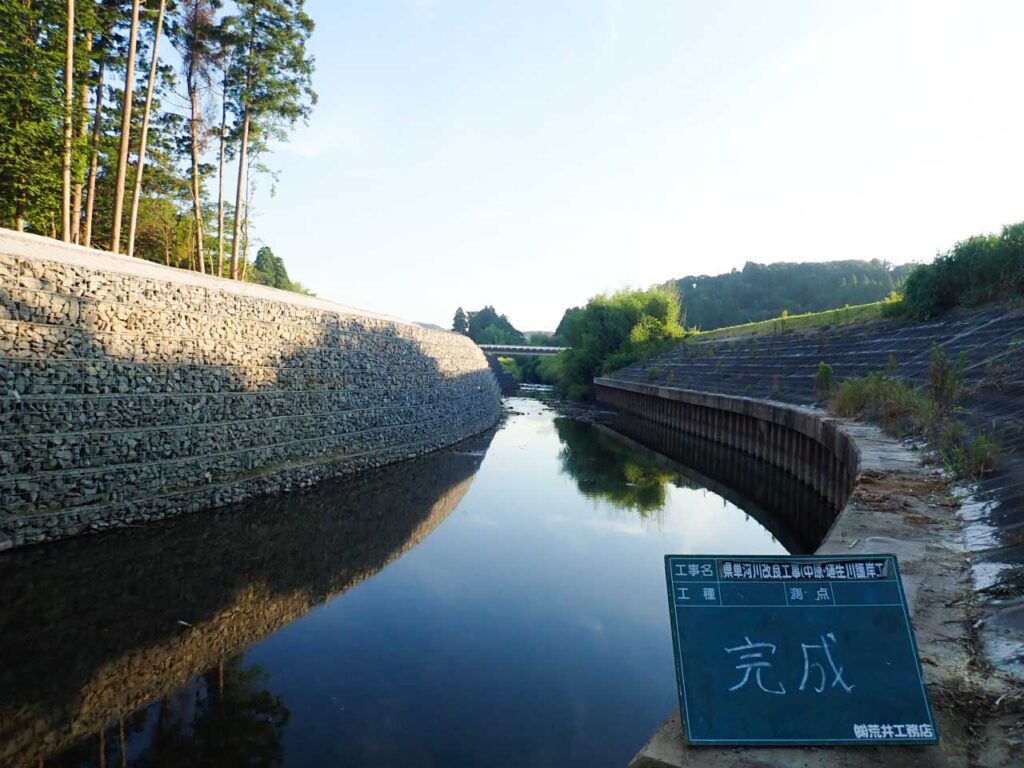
(604, 468)
(235, 576)
(225, 717)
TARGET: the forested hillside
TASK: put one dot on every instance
(144, 127)
(763, 291)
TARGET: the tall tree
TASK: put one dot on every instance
(69, 99)
(195, 40)
(271, 83)
(83, 115)
(32, 51)
(459, 322)
(94, 154)
(144, 133)
(222, 150)
(126, 125)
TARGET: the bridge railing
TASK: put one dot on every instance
(519, 349)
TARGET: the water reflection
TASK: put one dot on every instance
(794, 513)
(94, 629)
(605, 467)
(224, 717)
(529, 629)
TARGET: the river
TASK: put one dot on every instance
(500, 603)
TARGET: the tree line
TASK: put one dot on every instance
(764, 291)
(117, 116)
(486, 326)
(979, 270)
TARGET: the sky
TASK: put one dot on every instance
(529, 155)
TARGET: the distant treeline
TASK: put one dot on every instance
(618, 329)
(763, 291)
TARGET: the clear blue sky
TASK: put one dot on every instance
(531, 154)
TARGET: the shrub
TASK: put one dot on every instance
(904, 409)
(893, 306)
(897, 405)
(981, 269)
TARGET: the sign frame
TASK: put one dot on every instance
(803, 560)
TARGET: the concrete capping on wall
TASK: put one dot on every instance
(39, 248)
(801, 441)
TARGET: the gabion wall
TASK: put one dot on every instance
(130, 391)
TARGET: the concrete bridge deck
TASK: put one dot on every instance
(511, 350)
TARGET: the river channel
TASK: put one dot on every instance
(500, 603)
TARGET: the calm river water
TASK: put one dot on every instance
(501, 603)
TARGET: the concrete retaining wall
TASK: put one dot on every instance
(794, 439)
(130, 391)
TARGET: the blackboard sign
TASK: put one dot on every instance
(796, 650)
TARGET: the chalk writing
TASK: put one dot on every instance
(826, 652)
(754, 660)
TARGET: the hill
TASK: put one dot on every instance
(764, 291)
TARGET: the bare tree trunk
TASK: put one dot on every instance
(19, 216)
(69, 100)
(240, 189)
(126, 129)
(94, 155)
(245, 225)
(220, 194)
(76, 204)
(240, 196)
(196, 205)
(141, 164)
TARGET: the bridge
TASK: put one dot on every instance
(510, 350)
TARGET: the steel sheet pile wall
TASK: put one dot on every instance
(797, 440)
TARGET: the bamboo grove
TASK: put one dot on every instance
(143, 127)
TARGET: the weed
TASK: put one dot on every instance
(905, 409)
(824, 381)
(895, 403)
(971, 458)
(944, 380)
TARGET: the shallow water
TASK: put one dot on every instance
(500, 603)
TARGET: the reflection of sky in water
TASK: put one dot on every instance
(530, 628)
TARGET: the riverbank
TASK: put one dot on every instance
(900, 506)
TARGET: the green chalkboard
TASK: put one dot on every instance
(796, 650)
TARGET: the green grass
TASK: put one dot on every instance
(905, 409)
(899, 406)
(860, 313)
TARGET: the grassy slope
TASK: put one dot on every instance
(832, 317)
